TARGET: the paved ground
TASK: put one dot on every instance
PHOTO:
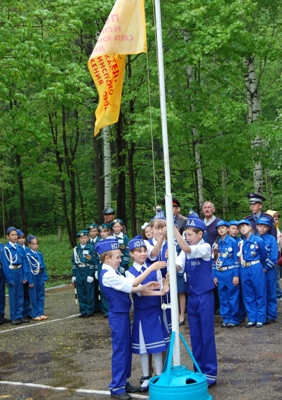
(70, 358)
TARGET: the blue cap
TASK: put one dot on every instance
(192, 214)
(30, 238)
(20, 233)
(244, 221)
(10, 229)
(222, 223)
(263, 221)
(195, 223)
(108, 244)
(233, 222)
(116, 220)
(103, 226)
(159, 215)
(255, 198)
(92, 226)
(82, 233)
(136, 243)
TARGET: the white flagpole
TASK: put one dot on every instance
(168, 197)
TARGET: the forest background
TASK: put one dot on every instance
(224, 108)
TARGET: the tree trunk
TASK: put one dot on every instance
(21, 196)
(99, 181)
(121, 159)
(254, 111)
(132, 190)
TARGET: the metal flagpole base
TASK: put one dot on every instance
(177, 382)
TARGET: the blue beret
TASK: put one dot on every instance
(192, 214)
(20, 233)
(103, 226)
(81, 233)
(233, 222)
(136, 243)
(108, 244)
(195, 223)
(159, 215)
(244, 221)
(117, 220)
(10, 229)
(30, 238)
(222, 223)
(92, 226)
(263, 221)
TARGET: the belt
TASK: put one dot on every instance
(247, 264)
(81, 265)
(220, 269)
(17, 266)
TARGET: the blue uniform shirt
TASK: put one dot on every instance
(272, 251)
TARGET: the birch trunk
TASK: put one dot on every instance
(254, 111)
(107, 167)
(197, 155)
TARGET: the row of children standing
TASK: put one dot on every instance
(24, 271)
(244, 269)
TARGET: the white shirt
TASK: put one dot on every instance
(116, 281)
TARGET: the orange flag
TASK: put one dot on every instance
(124, 33)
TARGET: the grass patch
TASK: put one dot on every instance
(57, 256)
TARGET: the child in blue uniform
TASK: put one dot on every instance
(94, 238)
(116, 289)
(83, 269)
(252, 257)
(16, 273)
(226, 276)
(27, 303)
(37, 278)
(117, 225)
(149, 334)
(195, 259)
(3, 320)
(233, 232)
(263, 226)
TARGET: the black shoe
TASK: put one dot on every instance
(259, 325)
(223, 325)
(217, 311)
(25, 320)
(181, 322)
(131, 389)
(4, 320)
(250, 324)
(211, 384)
(121, 396)
(105, 315)
(82, 316)
(89, 315)
(230, 325)
(28, 316)
(16, 322)
(143, 378)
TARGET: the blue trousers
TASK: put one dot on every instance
(37, 296)
(228, 296)
(2, 292)
(200, 310)
(271, 298)
(254, 292)
(16, 296)
(85, 291)
(122, 352)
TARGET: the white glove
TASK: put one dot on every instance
(96, 275)
(73, 279)
(90, 279)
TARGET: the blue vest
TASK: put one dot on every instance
(199, 275)
(143, 302)
(119, 302)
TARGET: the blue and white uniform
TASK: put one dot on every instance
(270, 266)
(116, 289)
(2, 284)
(16, 271)
(200, 306)
(253, 257)
(37, 277)
(149, 334)
(225, 269)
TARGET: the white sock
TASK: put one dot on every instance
(145, 363)
(158, 358)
